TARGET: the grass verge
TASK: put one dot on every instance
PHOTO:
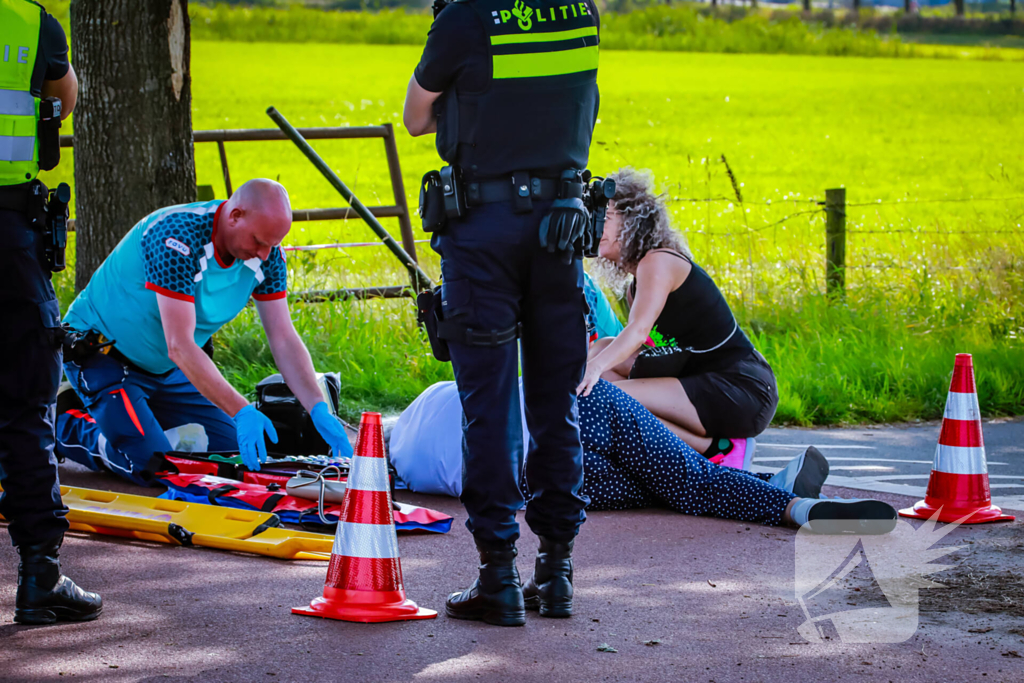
(679, 27)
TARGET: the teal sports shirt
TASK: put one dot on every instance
(171, 252)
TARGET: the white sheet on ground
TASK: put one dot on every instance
(426, 443)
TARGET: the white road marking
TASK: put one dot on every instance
(761, 444)
(785, 459)
(863, 468)
(895, 477)
(879, 485)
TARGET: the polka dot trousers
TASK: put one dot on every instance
(631, 460)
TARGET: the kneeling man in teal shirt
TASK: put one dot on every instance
(176, 278)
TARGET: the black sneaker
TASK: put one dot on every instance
(851, 516)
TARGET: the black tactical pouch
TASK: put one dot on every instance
(48, 132)
(454, 195)
(432, 211)
(429, 315)
(521, 200)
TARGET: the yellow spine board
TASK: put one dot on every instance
(281, 543)
(90, 506)
(174, 521)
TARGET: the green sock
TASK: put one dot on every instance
(718, 446)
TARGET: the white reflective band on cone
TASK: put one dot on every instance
(376, 541)
(962, 407)
(368, 474)
(960, 460)
(17, 103)
(17, 148)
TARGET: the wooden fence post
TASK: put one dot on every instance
(835, 242)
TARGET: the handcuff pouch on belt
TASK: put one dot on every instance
(441, 197)
(440, 332)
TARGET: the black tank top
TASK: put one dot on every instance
(696, 316)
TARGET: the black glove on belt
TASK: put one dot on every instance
(563, 226)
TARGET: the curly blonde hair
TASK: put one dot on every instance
(645, 225)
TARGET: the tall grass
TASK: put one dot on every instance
(654, 26)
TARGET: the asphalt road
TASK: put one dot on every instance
(678, 598)
(898, 459)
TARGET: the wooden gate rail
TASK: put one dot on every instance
(399, 210)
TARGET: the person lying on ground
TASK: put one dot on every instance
(682, 354)
(177, 277)
(631, 460)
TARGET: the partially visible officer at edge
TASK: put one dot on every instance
(139, 366)
(512, 114)
(34, 68)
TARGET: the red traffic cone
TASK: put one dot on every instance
(959, 486)
(364, 578)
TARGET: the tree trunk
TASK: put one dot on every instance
(906, 6)
(856, 5)
(959, 7)
(133, 124)
(807, 5)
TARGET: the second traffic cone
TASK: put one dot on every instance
(364, 578)
(959, 485)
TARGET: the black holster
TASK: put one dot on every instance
(429, 315)
(48, 133)
(79, 347)
(440, 332)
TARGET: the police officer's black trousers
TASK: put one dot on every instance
(30, 370)
(496, 274)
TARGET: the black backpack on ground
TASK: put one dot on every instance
(296, 434)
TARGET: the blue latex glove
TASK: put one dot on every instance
(250, 425)
(332, 430)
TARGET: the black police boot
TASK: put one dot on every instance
(45, 596)
(496, 597)
(550, 588)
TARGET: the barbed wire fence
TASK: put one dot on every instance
(752, 244)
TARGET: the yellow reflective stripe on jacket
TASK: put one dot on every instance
(17, 138)
(18, 108)
(538, 64)
(17, 103)
(553, 36)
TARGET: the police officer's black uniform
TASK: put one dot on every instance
(34, 49)
(519, 106)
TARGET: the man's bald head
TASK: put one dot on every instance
(255, 220)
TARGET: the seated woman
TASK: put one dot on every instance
(631, 460)
(682, 354)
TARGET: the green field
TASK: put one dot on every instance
(935, 268)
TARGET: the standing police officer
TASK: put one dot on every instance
(34, 69)
(510, 87)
